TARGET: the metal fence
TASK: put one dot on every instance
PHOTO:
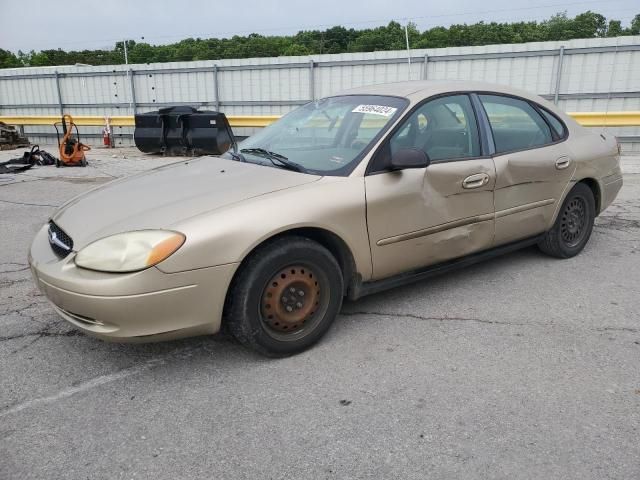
(579, 75)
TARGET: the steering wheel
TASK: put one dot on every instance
(427, 133)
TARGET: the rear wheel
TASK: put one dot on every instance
(573, 227)
(285, 296)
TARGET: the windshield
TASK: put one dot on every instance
(326, 137)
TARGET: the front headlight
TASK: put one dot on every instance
(129, 252)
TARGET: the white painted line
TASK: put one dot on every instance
(83, 387)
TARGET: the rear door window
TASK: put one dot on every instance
(515, 124)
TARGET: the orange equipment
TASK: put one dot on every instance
(71, 149)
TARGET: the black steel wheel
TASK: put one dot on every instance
(573, 221)
(572, 229)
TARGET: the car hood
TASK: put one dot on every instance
(162, 197)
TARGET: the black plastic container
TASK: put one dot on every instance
(183, 130)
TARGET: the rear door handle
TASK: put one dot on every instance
(562, 163)
(475, 181)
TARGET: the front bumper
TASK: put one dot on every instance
(144, 306)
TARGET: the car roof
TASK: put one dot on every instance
(416, 90)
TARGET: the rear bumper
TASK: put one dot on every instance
(610, 185)
(140, 306)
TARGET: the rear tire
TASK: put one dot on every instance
(285, 297)
(572, 229)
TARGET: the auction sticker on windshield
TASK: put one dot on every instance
(383, 110)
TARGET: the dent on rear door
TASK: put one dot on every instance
(529, 185)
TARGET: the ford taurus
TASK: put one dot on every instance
(342, 197)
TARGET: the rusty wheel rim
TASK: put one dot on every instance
(291, 301)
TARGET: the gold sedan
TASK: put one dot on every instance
(342, 197)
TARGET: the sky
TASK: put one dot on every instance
(76, 25)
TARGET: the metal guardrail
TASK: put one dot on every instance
(607, 119)
(587, 119)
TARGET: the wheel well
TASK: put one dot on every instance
(595, 189)
(335, 245)
(331, 242)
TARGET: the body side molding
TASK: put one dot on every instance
(361, 289)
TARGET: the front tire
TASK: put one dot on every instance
(285, 296)
(572, 229)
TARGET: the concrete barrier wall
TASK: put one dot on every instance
(579, 75)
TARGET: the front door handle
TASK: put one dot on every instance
(475, 181)
(563, 162)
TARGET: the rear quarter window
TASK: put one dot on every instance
(555, 123)
(515, 123)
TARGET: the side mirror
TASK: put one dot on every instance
(409, 158)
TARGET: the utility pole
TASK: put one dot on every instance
(129, 78)
(406, 37)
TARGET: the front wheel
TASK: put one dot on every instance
(285, 296)
(573, 227)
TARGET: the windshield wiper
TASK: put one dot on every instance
(277, 159)
(237, 156)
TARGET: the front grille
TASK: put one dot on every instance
(60, 242)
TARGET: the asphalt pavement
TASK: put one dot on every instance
(522, 367)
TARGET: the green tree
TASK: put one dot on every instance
(589, 24)
(615, 28)
(8, 59)
(295, 49)
(390, 37)
(558, 27)
(635, 25)
(336, 39)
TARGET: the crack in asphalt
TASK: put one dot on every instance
(11, 283)
(22, 180)
(620, 224)
(45, 332)
(22, 267)
(623, 217)
(21, 312)
(617, 329)
(139, 368)
(434, 319)
(479, 320)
